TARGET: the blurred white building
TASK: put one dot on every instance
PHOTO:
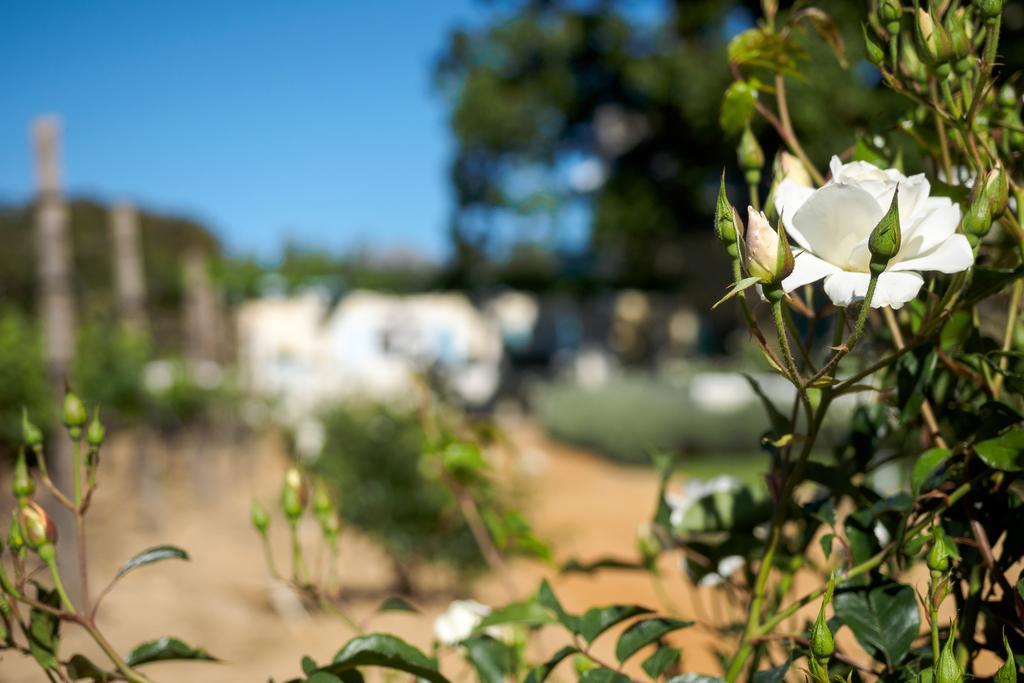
(370, 345)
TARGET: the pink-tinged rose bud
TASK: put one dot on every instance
(36, 526)
(793, 169)
(293, 494)
(768, 255)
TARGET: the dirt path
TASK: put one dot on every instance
(223, 599)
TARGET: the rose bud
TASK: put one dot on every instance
(978, 220)
(726, 228)
(321, 500)
(997, 191)
(750, 156)
(96, 432)
(885, 239)
(989, 9)
(36, 526)
(260, 518)
(293, 494)
(875, 53)
(889, 13)
(32, 435)
(74, 414)
(768, 254)
(22, 485)
(15, 539)
(947, 670)
(934, 43)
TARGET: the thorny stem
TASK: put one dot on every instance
(851, 341)
(122, 666)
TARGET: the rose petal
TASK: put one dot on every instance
(789, 197)
(896, 289)
(951, 256)
(833, 220)
(930, 228)
(807, 268)
(893, 289)
(844, 288)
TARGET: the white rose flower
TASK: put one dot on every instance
(459, 620)
(831, 226)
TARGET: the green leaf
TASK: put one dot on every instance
(576, 567)
(166, 648)
(987, 281)
(80, 667)
(737, 107)
(321, 677)
(397, 604)
(825, 27)
(763, 47)
(603, 675)
(1004, 452)
(385, 651)
(157, 554)
(546, 597)
(664, 657)
(597, 620)
(539, 674)
(492, 659)
(308, 665)
(645, 632)
(736, 288)
(695, 678)
(528, 612)
(884, 618)
(44, 630)
(927, 464)
(1007, 673)
(826, 544)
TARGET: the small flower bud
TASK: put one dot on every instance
(22, 485)
(74, 414)
(32, 435)
(875, 53)
(726, 228)
(884, 242)
(330, 525)
(768, 254)
(889, 11)
(36, 525)
(823, 643)
(938, 558)
(934, 43)
(912, 65)
(989, 10)
(321, 500)
(997, 191)
(947, 670)
(293, 494)
(791, 168)
(260, 518)
(978, 219)
(955, 24)
(15, 539)
(96, 432)
(750, 156)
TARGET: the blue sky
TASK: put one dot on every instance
(313, 121)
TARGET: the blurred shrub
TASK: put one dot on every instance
(22, 379)
(109, 368)
(632, 416)
(371, 455)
